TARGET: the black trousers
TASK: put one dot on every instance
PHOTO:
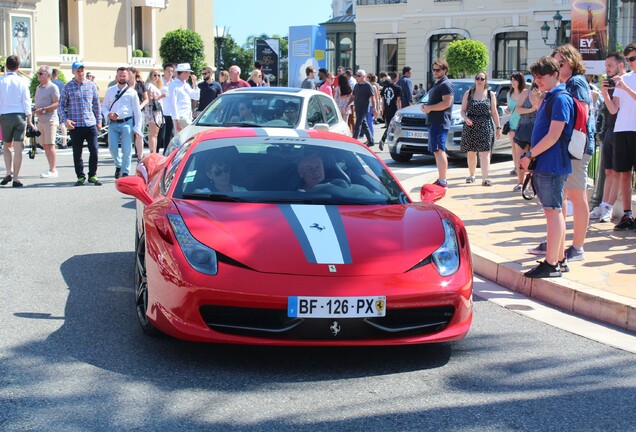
(388, 115)
(166, 136)
(78, 135)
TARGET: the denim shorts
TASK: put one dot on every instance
(549, 189)
(437, 138)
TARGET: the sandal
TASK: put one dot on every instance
(470, 179)
(513, 172)
(486, 183)
(518, 187)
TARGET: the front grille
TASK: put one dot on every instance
(275, 324)
(414, 122)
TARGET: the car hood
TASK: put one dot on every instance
(317, 239)
(416, 111)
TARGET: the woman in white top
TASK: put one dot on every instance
(153, 111)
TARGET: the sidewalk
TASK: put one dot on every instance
(501, 227)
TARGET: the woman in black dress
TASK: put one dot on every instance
(479, 111)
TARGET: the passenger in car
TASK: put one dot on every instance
(218, 173)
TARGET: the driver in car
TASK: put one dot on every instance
(312, 171)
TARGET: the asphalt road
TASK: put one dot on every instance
(72, 357)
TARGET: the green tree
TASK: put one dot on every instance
(466, 57)
(233, 54)
(183, 46)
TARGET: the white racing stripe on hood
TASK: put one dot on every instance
(320, 232)
(281, 132)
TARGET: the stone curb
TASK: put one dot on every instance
(570, 296)
(565, 294)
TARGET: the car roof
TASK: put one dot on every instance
(285, 134)
(276, 90)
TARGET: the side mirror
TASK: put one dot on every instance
(431, 193)
(322, 127)
(134, 186)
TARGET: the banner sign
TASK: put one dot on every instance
(307, 46)
(589, 33)
(267, 52)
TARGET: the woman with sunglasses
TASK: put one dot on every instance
(218, 172)
(479, 111)
(153, 112)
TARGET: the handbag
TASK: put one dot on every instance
(506, 128)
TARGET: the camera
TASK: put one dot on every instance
(610, 82)
(32, 133)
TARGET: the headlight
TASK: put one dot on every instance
(174, 144)
(446, 258)
(199, 256)
(397, 117)
(457, 121)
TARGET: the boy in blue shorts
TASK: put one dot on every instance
(549, 136)
(438, 113)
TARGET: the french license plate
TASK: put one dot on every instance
(416, 134)
(336, 307)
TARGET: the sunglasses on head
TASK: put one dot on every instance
(218, 171)
(631, 59)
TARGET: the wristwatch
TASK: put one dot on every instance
(527, 154)
(498, 127)
(43, 111)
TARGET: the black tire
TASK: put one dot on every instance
(401, 157)
(141, 289)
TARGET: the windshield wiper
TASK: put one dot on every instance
(212, 197)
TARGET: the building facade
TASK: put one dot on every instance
(390, 34)
(104, 34)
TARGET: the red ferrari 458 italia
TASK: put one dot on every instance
(293, 237)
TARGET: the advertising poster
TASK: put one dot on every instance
(267, 51)
(589, 33)
(21, 39)
(307, 46)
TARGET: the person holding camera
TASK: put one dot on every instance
(47, 97)
(15, 114)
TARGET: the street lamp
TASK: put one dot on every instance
(220, 34)
(558, 21)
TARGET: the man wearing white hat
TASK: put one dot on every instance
(181, 95)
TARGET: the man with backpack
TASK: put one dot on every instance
(572, 72)
(552, 163)
(573, 76)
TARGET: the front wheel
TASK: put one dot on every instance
(141, 288)
(401, 157)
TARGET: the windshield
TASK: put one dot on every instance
(252, 109)
(286, 170)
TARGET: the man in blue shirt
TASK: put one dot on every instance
(552, 163)
(438, 112)
(81, 113)
(406, 85)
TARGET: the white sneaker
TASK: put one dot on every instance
(596, 213)
(49, 174)
(606, 214)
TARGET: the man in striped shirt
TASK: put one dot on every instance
(80, 111)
